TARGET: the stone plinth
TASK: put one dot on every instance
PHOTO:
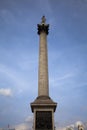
(43, 108)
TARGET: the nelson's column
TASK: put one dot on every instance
(43, 107)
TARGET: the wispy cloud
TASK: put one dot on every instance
(15, 78)
(5, 92)
(59, 79)
(29, 119)
(66, 76)
(10, 74)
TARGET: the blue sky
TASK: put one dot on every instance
(67, 56)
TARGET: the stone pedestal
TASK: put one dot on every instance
(43, 108)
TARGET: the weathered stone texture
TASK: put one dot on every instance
(43, 88)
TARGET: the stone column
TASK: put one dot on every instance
(43, 83)
(43, 107)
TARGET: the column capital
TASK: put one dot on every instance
(43, 27)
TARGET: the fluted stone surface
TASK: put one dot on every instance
(43, 83)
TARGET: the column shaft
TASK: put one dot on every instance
(43, 85)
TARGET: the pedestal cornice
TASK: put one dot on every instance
(43, 102)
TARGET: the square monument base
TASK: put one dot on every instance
(43, 108)
(44, 119)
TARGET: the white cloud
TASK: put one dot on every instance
(23, 126)
(26, 125)
(5, 92)
(78, 123)
(29, 119)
